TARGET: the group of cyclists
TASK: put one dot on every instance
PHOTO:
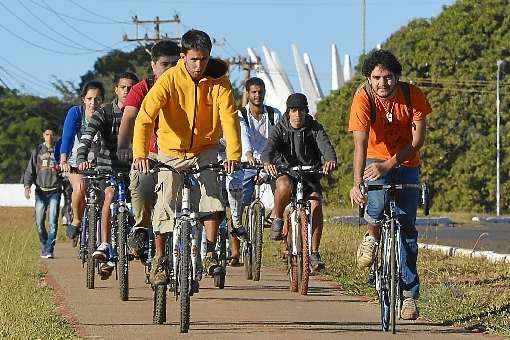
(184, 115)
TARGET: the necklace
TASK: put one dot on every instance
(389, 113)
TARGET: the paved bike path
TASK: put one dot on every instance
(247, 309)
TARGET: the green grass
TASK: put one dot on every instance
(474, 294)
(27, 310)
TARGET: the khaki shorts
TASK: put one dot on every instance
(205, 199)
(142, 196)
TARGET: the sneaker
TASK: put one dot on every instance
(158, 271)
(138, 241)
(44, 254)
(317, 263)
(49, 255)
(240, 232)
(367, 251)
(276, 230)
(101, 253)
(106, 269)
(211, 264)
(409, 309)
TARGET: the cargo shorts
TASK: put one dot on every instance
(205, 198)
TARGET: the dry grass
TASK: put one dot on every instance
(27, 310)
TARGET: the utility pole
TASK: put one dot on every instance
(498, 121)
(363, 25)
(246, 65)
(157, 32)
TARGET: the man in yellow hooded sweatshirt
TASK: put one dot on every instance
(195, 106)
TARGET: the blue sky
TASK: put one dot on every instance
(70, 30)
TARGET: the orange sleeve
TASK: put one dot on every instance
(421, 106)
(359, 118)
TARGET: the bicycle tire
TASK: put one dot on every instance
(91, 247)
(393, 276)
(122, 253)
(382, 271)
(219, 280)
(247, 257)
(292, 260)
(256, 241)
(304, 262)
(159, 309)
(184, 275)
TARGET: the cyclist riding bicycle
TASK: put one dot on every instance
(195, 106)
(257, 121)
(105, 123)
(164, 54)
(388, 122)
(296, 140)
(76, 121)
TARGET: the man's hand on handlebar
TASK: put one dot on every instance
(251, 160)
(271, 169)
(230, 166)
(84, 166)
(328, 167)
(141, 164)
(357, 196)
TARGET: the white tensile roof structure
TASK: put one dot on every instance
(278, 85)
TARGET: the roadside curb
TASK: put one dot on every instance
(62, 305)
(450, 251)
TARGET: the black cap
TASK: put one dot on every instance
(297, 100)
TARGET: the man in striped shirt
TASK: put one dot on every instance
(104, 126)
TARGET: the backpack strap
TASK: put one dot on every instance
(270, 114)
(371, 98)
(406, 91)
(244, 113)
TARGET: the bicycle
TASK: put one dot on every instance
(254, 220)
(385, 271)
(183, 250)
(90, 232)
(120, 221)
(299, 231)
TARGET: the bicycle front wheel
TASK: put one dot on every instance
(393, 277)
(91, 246)
(258, 229)
(184, 275)
(122, 252)
(304, 259)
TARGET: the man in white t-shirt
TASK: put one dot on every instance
(257, 121)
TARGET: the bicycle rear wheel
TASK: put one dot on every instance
(257, 229)
(122, 253)
(159, 308)
(91, 246)
(184, 275)
(219, 280)
(304, 259)
(393, 277)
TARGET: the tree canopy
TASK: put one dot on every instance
(452, 57)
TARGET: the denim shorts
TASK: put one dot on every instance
(406, 200)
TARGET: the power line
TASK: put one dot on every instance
(22, 84)
(28, 78)
(33, 28)
(39, 46)
(96, 14)
(71, 26)
(54, 30)
(75, 18)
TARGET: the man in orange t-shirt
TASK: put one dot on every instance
(386, 150)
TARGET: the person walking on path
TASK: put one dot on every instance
(42, 171)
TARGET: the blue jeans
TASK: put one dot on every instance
(407, 204)
(43, 201)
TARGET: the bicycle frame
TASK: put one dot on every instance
(186, 214)
(298, 203)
